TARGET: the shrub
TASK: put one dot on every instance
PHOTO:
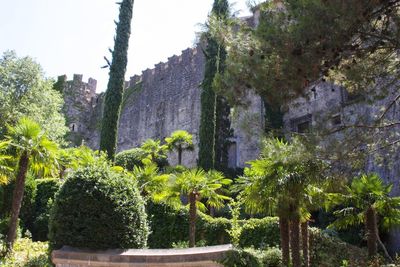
(260, 233)
(28, 254)
(167, 225)
(45, 191)
(272, 257)
(97, 208)
(243, 258)
(133, 157)
(130, 158)
(27, 213)
(331, 251)
(213, 230)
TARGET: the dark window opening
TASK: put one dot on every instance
(301, 124)
(303, 127)
(336, 120)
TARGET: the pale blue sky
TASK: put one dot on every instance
(72, 36)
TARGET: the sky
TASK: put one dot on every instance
(73, 36)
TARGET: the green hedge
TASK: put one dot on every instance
(98, 208)
(38, 196)
(45, 192)
(27, 212)
(169, 226)
(260, 233)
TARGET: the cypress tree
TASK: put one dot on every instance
(215, 57)
(115, 87)
(223, 133)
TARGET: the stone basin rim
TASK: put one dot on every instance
(149, 252)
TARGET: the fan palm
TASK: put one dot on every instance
(156, 152)
(34, 151)
(365, 198)
(197, 185)
(149, 179)
(180, 141)
(5, 168)
(277, 183)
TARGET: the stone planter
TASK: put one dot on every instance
(189, 257)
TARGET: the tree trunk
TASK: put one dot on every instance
(383, 247)
(305, 243)
(371, 231)
(295, 241)
(180, 156)
(192, 219)
(284, 233)
(18, 194)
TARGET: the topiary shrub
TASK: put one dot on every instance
(260, 233)
(45, 191)
(98, 208)
(130, 158)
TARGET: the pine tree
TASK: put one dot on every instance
(215, 56)
(113, 97)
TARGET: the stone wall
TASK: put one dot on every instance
(156, 103)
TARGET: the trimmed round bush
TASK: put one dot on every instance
(130, 158)
(98, 208)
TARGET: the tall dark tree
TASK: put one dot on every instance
(113, 97)
(215, 57)
(223, 133)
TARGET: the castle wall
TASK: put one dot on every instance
(164, 99)
(79, 100)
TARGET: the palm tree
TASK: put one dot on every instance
(5, 168)
(149, 179)
(156, 152)
(276, 183)
(365, 198)
(34, 151)
(196, 184)
(180, 141)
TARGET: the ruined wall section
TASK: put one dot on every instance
(162, 100)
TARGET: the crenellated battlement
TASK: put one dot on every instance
(185, 58)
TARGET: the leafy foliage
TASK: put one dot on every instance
(298, 42)
(28, 254)
(98, 208)
(25, 92)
